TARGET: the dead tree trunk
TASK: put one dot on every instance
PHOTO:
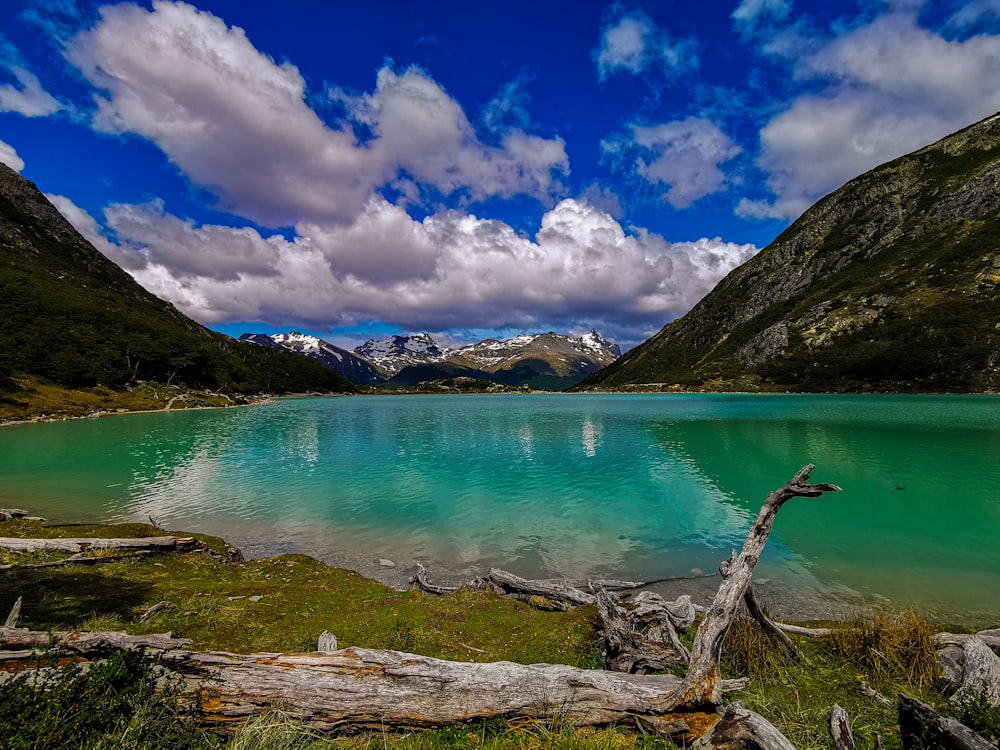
(84, 544)
(702, 686)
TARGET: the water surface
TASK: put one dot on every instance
(634, 486)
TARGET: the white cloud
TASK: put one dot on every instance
(237, 123)
(973, 12)
(28, 97)
(893, 87)
(8, 156)
(634, 43)
(449, 270)
(749, 12)
(684, 155)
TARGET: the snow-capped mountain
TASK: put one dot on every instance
(545, 360)
(393, 354)
(356, 369)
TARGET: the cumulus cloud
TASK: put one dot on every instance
(27, 97)
(633, 43)
(8, 156)
(237, 123)
(891, 87)
(749, 12)
(684, 155)
(449, 270)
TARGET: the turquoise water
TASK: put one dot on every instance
(633, 486)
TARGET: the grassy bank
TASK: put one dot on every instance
(284, 603)
(34, 399)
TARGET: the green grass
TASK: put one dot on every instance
(301, 597)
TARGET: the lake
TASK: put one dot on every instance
(625, 486)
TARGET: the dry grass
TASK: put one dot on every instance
(886, 645)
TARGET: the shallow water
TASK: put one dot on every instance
(629, 486)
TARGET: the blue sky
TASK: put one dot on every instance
(467, 169)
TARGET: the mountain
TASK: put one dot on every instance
(393, 354)
(74, 318)
(548, 361)
(356, 369)
(888, 284)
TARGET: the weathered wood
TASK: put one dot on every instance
(970, 670)
(83, 544)
(153, 611)
(15, 614)
(869, 692)
(87, 642)
(327, 642)
(366, 688)
(840, 729)
(990, 637)
(554, 591)
(742, 729)
(799, 630)
(768, 625)
(921, 726)
(421, 581)
(701, 686)
(625, 648)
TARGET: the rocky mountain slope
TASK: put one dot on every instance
(74, 318)
(396, 352)
(888, 284)
(356, 369)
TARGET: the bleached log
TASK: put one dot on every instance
(921, 726)
(702, 686)
(970, 670)
(83, 544)
(421, 581)
(799, 630)
(566, 597)
(84, 642)
(364, 688)
(840, 729)
(153, 611)
(990, 637)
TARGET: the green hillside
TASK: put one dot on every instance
(74, 319)
(888, 284)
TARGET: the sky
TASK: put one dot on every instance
(354, 170)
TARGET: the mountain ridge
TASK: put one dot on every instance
(76, 320)
(888, 284)
(551, 361)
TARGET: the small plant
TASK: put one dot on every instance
(749, 650)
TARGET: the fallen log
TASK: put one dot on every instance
(83, 642)
(921, 726)
(563, 595)
(990, 637)
(84, 544)
(969, 671)
(626, 648)
(364, 688)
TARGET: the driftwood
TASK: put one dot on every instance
(625, 648)
(921, 726)
(363, 688)
(769, 626)
(84, 544)
(869, 692)
(83, 642)
(153, 611)
(742, 729)
(840, 729)
(970, 670)
(15, 614)
(702, 686)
